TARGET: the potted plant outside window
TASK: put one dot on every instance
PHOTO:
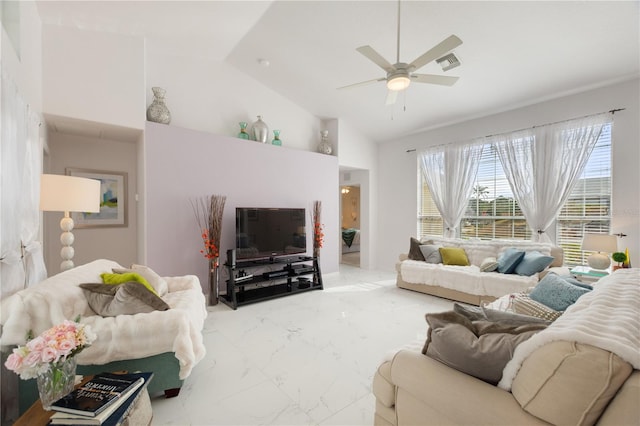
(619, 257)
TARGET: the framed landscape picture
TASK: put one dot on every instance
(113, 196)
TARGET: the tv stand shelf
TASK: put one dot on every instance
(252, 281)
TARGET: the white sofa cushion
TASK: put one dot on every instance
(467, 279)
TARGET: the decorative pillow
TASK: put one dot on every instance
(126, 277)
(508, 261)
(479, 348)
(574, 281)
(490, 264)
(414, 250)
(532, 263)
(431, 253)
(523, 304)
(129, 298)
(453, 256)
(158, 283)
(556, 293)
(568, 383)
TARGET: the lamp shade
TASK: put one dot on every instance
(61, 193)
(600, 242)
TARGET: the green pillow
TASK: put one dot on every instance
(124, 278)
(454, 256)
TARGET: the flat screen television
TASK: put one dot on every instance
(263, 233)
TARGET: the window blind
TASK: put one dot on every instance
(429, 220)
(588, 209)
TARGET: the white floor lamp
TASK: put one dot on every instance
(61, 193)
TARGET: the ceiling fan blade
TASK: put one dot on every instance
(375, 57)
(392, 95)
(443, 80)
(362, 83)
(435, 52)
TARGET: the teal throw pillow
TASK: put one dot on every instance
(556, 293)
(532, 263)
(508, 261)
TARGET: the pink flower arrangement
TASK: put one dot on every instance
(52, 346)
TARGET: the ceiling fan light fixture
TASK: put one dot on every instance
(398, 83)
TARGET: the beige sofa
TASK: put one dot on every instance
(468, 284)
(572, 372)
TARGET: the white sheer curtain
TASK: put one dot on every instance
(21, 258)
(543, 164)
(449, 171)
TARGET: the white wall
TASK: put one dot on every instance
(93, 76)
(181, 164)
(213, 97)
(398, 168)
(115, 243)
(25, 69)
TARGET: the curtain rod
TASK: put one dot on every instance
(611, 111)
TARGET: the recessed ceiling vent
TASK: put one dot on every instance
(448, 62)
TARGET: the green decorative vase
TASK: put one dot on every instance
(276, 138)
(243, 131)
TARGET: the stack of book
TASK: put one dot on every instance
(106, 399)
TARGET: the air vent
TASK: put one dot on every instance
(448, 62)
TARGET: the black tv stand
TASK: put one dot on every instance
(256, 280)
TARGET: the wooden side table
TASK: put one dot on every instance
(140, 413)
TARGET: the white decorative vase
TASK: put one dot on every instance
(158, 111)
(260, 130)
(325, 147)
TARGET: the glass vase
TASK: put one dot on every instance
(57, 381)
(214, 278)
(243, 130)
(276, 138)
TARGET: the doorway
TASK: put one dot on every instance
(350, 224)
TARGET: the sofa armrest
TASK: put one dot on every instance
(450, 395)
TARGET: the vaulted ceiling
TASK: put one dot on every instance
(513, 53)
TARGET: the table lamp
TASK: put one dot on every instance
(601, 244)
(61, 193)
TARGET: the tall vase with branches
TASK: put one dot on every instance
(318, 234)
(208, 213)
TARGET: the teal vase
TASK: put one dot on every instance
(276, 138)
(243, 131)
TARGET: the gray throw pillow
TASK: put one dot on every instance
(431, 253)
(479, 348)
(109, 300)
(489, 264)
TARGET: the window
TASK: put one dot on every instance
(588, 208)
(492, 212)
(429, 219)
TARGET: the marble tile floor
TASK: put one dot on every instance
(307, 359)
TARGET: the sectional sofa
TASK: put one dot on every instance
(580, 370)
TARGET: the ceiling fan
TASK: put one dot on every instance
(400, 75)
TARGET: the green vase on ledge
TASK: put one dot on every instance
(243, 131)
(276, 138)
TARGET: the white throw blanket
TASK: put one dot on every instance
(607, 317)
(123, 337)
